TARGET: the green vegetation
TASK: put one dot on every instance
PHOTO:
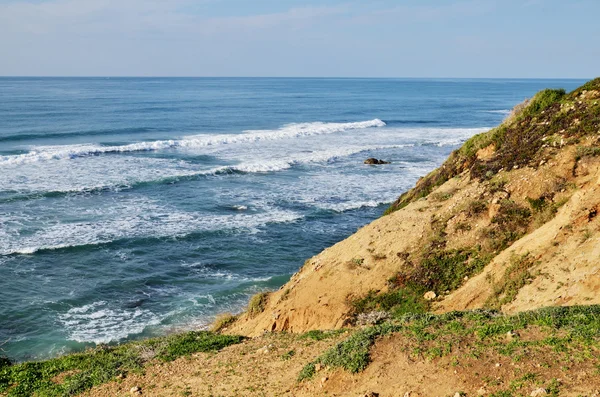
(222, 321)
(508, 225)
(288, 355)
(476, 207)
(257, 304)
(515, 277)
(445, 270)
(586, 151)
(520, 140)
(542, 101)
(397, 301)
(319, 335)
(558, 336)
(75, 373)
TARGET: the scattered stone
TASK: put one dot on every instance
(481, 391)
(458, 394)
(318, 367)
(372, 318)
(324, 379)
(264, 350)
(429, 295)
(407, 394)
(498, 365)
(539, 392)
(373, 161)
(510, 335)
(135, 390)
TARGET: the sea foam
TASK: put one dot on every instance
(46, 153)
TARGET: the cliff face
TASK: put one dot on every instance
(508, 222)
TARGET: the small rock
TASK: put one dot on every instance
(324, 379)
(407, 394)
(539, 392)
(498, 365)
(429, 295)
(135, 390)
(481, 391)
(318, 367)
(372, 161)
(466, 278)
(510, 335)
(370, 394)
(458, 394)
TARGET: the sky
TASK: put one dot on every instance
(293, 38)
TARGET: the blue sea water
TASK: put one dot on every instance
(132, 207)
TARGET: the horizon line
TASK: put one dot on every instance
(296, 77)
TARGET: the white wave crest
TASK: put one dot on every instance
(46, 153)
(100, 323)
(137, 219)
(352, 205)
(122, 173)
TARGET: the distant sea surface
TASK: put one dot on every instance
(133, 207)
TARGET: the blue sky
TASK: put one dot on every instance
(375, 38)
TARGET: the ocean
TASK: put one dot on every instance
(134, 207)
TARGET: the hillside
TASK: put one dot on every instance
(508, 222)
(483, 279)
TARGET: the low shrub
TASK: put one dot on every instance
(222, 321)
(257, 304)
(516, 276)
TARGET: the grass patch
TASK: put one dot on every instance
(257, 304)
(319, 335)
(509, 224)
(288, 355)
(102, 364)
(476, 207)
(586, 151)
(398, 302)
(516, 276)
(542, 101)
(223, 321)
(480, 333)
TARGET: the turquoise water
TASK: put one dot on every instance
(133, 207)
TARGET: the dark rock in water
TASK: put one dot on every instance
(134, 304)
(372, 160)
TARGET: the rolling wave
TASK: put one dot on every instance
(98, 322)
(30, 136)
(136, 220)
(46, 153)
(43, 187)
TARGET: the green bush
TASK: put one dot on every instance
(397, 302)
(542, 100)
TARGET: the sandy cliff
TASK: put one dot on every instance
(508, 222)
